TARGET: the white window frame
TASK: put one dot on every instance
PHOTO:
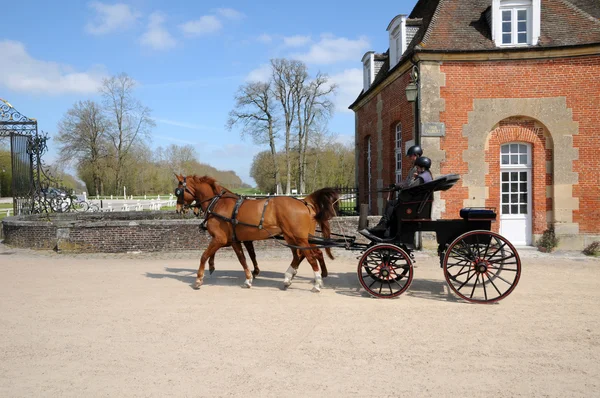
(518, 167)
(368, 69)
(398, 153)
(533, 9)
(369, 171)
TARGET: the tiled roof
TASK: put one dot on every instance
(462, 25)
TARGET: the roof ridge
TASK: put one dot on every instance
(431, 24)
(572, 6)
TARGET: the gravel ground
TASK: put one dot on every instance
(130, 325)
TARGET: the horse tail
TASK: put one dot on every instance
(323, 201)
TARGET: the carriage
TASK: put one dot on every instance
(479, 265)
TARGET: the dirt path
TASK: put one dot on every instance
(125, 325)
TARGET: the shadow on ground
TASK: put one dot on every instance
(344, 283)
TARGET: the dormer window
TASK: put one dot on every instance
(397, 36)
(368, 61)
(515, 22)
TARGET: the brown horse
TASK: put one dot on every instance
(262, 219)
(184, 202)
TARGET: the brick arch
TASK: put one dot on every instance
(485, 115)
(526, 131)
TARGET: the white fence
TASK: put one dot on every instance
(140, 205)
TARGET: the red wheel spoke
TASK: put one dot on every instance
(491, 254)
(389, 268)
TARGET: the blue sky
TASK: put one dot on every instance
(188, 57)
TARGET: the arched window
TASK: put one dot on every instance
(367, 175)
(398, 153)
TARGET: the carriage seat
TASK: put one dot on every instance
(415, 203)
(478, 213)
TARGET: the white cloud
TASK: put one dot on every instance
(156, 35)
(296, 41)
(260, 74)
(206, 24)
(110, 18)
(265, 38)
(349, 84)
(22, 73)
(331, 49)
(230, 13)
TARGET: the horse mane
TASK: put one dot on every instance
(216, 187)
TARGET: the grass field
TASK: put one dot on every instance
(3, 208)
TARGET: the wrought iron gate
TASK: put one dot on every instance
(26, 148)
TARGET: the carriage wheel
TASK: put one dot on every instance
(482, 267)
(385, 271)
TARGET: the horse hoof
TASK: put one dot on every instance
(247, 284)
(196, 286)
(255, 273)
(316, 289)
(211, 270)
(287, 282)
(324, 274)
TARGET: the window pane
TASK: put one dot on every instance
(504, 176)
(523, 198)
(504, 149)
(505, 209)
(506, 27)
(506, 38)
(514, 148)
(522, 38)
(523, 209)
(523, 159)
(505, 187)
(504, 159)
(521, 15)
(505, 198)
(523, 176)
(514, 176)
(506, 15)
(514, 187)
(523, 148)
(522, 26)
(514, 159)
(523, 187)
(514, 209)
(514, 198)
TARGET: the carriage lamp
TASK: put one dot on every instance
(411, 92)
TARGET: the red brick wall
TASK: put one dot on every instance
(395, 110)
(576, 79)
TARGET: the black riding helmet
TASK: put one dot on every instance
(414, 150)
(424, 162)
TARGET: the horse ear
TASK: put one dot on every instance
(177, 176)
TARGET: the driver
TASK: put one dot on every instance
(413, 153)
(420, 176)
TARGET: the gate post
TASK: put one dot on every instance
(363, 221)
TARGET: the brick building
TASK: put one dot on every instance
(508, 96)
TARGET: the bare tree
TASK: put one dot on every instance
(288, 79)
(314, 110)
(255, 112)
(129, 119)
(82, 138)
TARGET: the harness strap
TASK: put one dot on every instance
(262, 217)
(233, 219)
(234, 214)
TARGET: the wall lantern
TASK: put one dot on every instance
(411, 92)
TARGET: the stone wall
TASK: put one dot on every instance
(122, 232)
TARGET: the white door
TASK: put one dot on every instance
(515, 193)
